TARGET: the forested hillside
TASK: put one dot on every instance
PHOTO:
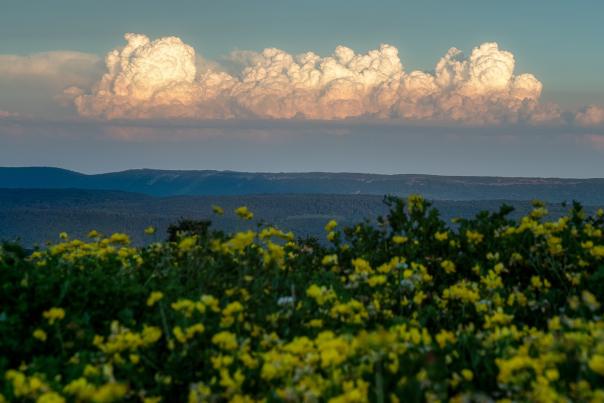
(172, 183)
(35, 216)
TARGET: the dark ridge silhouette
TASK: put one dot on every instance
(198, 183)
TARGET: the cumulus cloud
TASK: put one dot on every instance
(162, 78)
(592, 115)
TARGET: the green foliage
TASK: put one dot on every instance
(188, 227)
(410, 309)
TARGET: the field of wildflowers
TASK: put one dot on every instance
(411, 309)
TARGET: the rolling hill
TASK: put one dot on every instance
(198, 183)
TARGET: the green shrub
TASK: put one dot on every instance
(410, 309)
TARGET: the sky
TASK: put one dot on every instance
(509, 88)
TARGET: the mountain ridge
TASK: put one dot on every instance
(213, 182)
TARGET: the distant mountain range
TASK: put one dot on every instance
(36, 204)
(198, 183)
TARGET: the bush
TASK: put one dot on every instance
(410, 309)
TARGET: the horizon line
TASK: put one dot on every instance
(294, 173)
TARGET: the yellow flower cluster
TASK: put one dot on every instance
(408, 310)
(80, 254)
(244, 213)
(54, 314)
(123, 339)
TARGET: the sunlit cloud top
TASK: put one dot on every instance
(163, 78)
(166, 78)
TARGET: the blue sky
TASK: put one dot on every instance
(559, 43)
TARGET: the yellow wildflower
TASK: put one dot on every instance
(54, 314)
(244, 213)
(187, 243)
(135, 358)
(415, 203)
(419, 297)
(441, 236)
(315, 323)
(361, 266)
(329, 260)
(241, 240)
(376, 280)
(119, 238)
(40, 334)
(184, 335)
(596, 364)
(399, 239)
(225, 340)
(444, 337)
(50, 397)
(154, 297)
(492, 280)
(93, 234)
(467, 374)
(590, 300)
(597, 251)
(331, 225)
(474, 237)
(110, 392)
(232, 308)
(448, 266)
(320, 294)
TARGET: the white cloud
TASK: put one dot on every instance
(164, 79)
(592, 115)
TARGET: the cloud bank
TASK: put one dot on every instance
(60, 67)
(33, 84)
(162, 79)
(6, 114)
(592, 115)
